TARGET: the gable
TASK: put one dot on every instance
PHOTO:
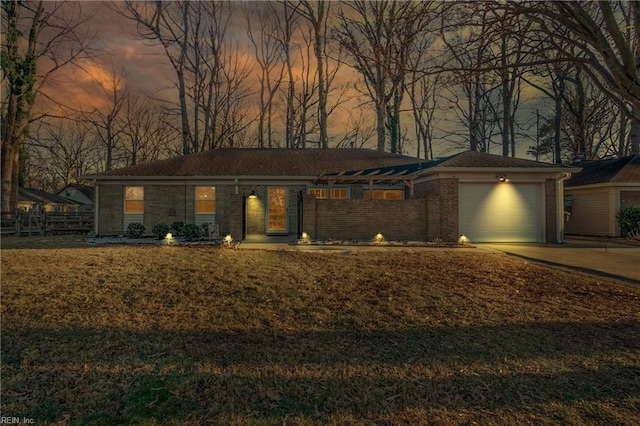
(619, 170)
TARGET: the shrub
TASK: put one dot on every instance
(160, 230)
(178, 227)
(191, 231)
(629, 220)
(135, 230)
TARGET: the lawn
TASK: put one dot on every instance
(200, 335)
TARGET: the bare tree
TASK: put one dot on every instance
(268, 52)
(379, 37)
(61, 152)
(169, 24)
(108, 121)
(286, 25)
(469, 72)
(316, 14)
(602, 38)
(148, 133)
(46, 34)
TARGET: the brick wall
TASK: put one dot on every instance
(110, 209)
(363, 219)
(442, 208)
(233, 227)
(629, 199)
(551, 223)
(167, 204)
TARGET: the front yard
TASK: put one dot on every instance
(198, 335)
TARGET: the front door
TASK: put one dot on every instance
(277, 220)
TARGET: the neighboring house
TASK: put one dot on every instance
(37, 200)
(81, 194)
(594, 195)
(339, 194)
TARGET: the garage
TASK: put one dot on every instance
(501, 211)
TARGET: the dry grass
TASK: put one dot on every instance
(195, 335)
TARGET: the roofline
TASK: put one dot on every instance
(197, 178)
(506, 169)
(607, 184)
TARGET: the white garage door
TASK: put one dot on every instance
(501, 212)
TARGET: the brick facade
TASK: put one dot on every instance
(550, 211)
(110, 203)
(363, 219)
(442, 211)
(432, 214)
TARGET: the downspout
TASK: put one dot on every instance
(560, 207)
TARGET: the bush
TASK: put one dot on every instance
(629, 220)
(191, 231)
(135, 230)
(178, 228)
(160, 230)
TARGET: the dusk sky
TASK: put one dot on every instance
(148, 71)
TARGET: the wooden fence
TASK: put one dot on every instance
(45, 223)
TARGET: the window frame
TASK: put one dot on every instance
(196, 199)
(326, 191)
(129, 202)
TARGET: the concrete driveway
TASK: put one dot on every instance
(604, 259)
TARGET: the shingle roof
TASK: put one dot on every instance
(263, 162)
(88, 191)
(41, 197)
(625, 169)
(467, 159)
(479, 159)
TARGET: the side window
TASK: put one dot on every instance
(205, 198)
(336, 193)
(134, 200)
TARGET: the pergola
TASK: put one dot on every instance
(401, 174)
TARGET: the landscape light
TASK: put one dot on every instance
(305, 236)
(169, 236)
(379, 237)
(228, 239)
(463, 239)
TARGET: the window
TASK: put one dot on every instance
(205, 199)
(336, 193)
(134, 199)
(384, 194)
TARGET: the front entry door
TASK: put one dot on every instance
(277, 221)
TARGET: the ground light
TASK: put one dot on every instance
(228, 239)
(379, 238)
(463, 239)
(168, 238)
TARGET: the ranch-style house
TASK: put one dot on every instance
(343, 194)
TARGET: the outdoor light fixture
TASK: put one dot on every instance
(463, 239)
(228, 239)
(305, 236)
(169, 236)
(502, 178)
(253, 195)
(379, 237)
